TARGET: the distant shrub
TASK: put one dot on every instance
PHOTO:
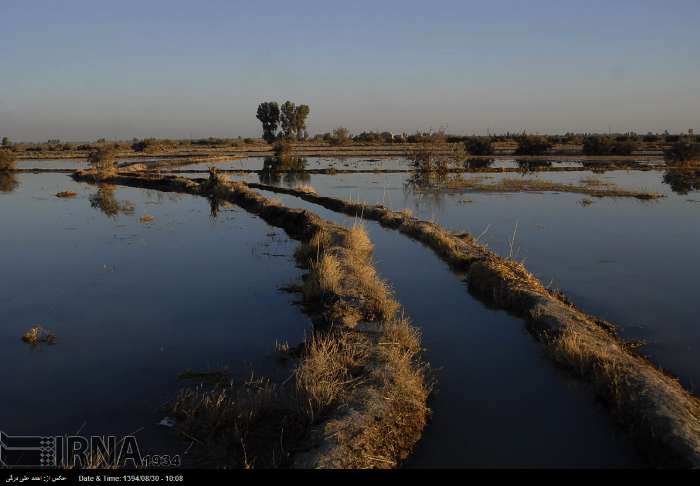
(149, 145)
(685, 150)
(103, 160)
(248, 141)
(604, 145)
(672, 138)
(532, 145)
(341, 136)
(434, 153)
(85, 147)
(7, 160)
(479, 145)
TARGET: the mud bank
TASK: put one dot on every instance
(660, 415)
(358, 398)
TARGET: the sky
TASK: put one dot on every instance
(78, 70)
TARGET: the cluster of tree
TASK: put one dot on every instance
(479, 145)
(606, 145)
(532, 145)
(290, 118)
(686, 149)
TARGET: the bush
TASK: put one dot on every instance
(532, 145)
(479, 145)
(341, 136)
(7, 160)
(433, 153)
(683, 151)
(149, 145)
(603, 145)
(103, 160)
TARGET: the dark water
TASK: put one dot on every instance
(132, 304)
(499, 401)
(629, 261)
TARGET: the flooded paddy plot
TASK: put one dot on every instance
(137, 286)
(622, 259)
(485, 363)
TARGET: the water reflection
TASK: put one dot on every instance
(284, 170)
(683, 181)
(105, 200)
(532, 165)
(8, 181)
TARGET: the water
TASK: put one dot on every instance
(499, 402)
(629, 261)
(132, 304)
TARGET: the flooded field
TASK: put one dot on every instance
(485, 363)
(138, 287)
(626, 260)
(200, 279)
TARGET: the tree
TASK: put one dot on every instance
(301, 113)
(532, 145)
(6, 142)
(288, 118)
(479, 145)
(341, 136)
(269, 115)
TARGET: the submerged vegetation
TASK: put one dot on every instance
(589, 186)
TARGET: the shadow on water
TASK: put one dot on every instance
(8, 181)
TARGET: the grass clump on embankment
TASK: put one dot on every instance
(357, 395)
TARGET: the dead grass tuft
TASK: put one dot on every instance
(38, 335)
(66, 194)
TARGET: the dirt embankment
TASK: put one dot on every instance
(359, 389)
(653, 407)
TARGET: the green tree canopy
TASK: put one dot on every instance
(269, 115)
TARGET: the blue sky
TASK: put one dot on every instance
(80, 70)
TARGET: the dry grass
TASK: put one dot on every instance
(38, 335)
(652, 406)
(307, 188)
(66, 194)
(147, 218)
(358, 242)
